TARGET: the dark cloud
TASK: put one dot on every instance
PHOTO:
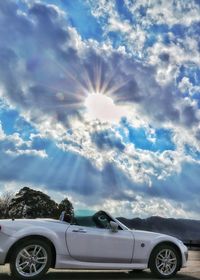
(8, 79)
(13, 24)
(197, 135)
(48, 32)
(115, 184)
(107, 139)
(61, 171)
(182, 187)
(164, 57)
(189, 115)
(161, 105)
(41, 54)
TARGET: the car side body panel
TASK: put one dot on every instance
(64, 262)
(141, 244)
(100, 245)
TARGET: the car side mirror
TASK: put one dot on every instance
(113, 226)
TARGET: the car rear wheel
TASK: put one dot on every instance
(164, 261)
(30, 260)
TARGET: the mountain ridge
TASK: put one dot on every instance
(184, 229)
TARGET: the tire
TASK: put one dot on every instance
(30, 260)
(164, 261)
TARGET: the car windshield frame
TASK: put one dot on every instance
(100, 219)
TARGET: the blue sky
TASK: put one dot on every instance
(100, 102)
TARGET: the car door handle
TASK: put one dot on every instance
(79, 230)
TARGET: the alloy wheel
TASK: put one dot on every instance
(31, 260)
(166, 262)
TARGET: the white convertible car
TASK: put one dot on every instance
(97, 242)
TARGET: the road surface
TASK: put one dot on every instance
(192, 272)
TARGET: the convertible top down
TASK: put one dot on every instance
(99, 241)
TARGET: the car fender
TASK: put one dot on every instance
(145, 242)
(164, 239)
(57, 239)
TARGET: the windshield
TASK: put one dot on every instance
(84, 212)
(99, 219)
(121, 224)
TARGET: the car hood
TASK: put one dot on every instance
(150, 236)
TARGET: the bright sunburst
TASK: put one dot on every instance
(102, 107)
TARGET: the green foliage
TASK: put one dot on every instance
(29, 203)
(5, 200)
(67, 206)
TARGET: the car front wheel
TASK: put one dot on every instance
(164, 261)
(30, 260)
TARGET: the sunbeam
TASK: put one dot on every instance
(91, 90)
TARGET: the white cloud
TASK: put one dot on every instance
(115, 24)
(2, 134)
(141, 206)
(165, 12)
(167, 71)
(102, 107)
(139, 165)
(14, 145)
(145, 207)
(185, 86)
(102, 7)
(30, 152)
(133, 36)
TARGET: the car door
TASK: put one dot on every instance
(90, 244)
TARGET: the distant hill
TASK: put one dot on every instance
(183, 229)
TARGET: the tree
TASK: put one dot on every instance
(5, 201)
(29, 203)
(66, 205)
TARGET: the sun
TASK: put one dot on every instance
(101, 107)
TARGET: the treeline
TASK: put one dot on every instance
(29, 203)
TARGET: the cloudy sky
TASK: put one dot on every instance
(100, 101)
